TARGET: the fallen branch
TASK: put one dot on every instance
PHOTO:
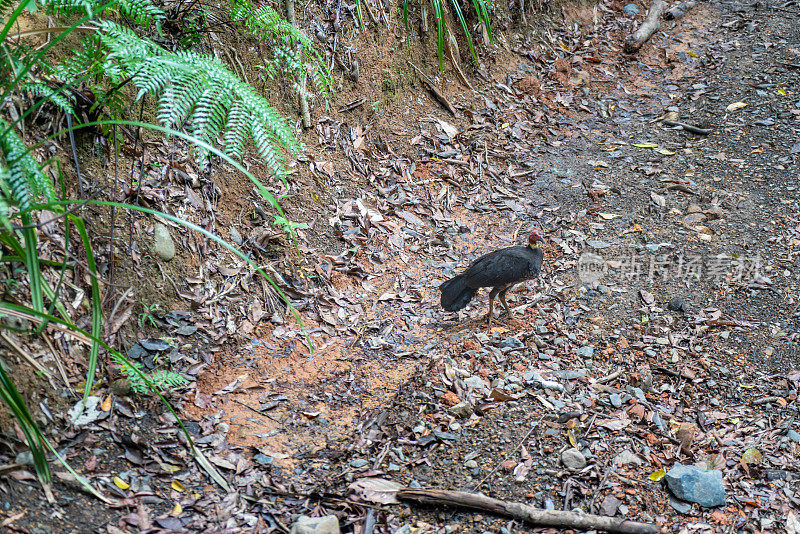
(688, 127)
(428, 83)
(651, 22)
(676, 12)
(523, 512)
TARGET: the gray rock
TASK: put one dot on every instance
(471, 464)
(571, 374)
(793, 435)
(616, 400)
(236, 237)
(462, 409)
(694, 218)
(328, 524)
(586, 351)
(475, 382)
(25, 457)
(573, 459)
(715, 212)
(538, 341)
(610, 506)
(631, 9)
(163, 245)
(677, 304)
(597, 244)
(358, 463)
(692, 484)
(511, 343)
(680, 506)
(626, 457)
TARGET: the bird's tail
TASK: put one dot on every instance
(455, 293)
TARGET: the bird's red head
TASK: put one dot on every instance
(534, 238)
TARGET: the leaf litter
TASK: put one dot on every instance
(399, 393)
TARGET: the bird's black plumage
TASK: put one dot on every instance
(499, 270)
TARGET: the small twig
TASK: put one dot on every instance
(688, 127)
(369, 522)
(609, 378)
(60, 364)
(599, 487)
(257, 412)
(516, 232)
(25, 356)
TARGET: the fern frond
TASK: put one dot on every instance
(24, 178)
(266, 23)
(200, 93)
(132, 371)
(56, 97)
(142, 12)
(7, 6)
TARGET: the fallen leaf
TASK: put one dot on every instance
(735, 106)
(378, 490)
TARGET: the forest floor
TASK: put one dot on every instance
(663, 330)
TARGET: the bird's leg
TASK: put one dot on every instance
(491, 306)
(502, 296)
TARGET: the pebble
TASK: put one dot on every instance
(597, 244)
(692, 484)
(462, 409)
(694, 218)
(358, 463)
(236, 237)
(25, 457)
(538, 341)
(573, 459)
(793, 435)
(328, 524)
(471, 464)
(475, 382)
(511, 343)
(571, 374)
(627, 457)
(616, 400)
(680, 506)
(163, 246)
(631, 9)
(585, 351)
(676, 304)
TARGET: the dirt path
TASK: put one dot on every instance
(664, 329)
(681, 350)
